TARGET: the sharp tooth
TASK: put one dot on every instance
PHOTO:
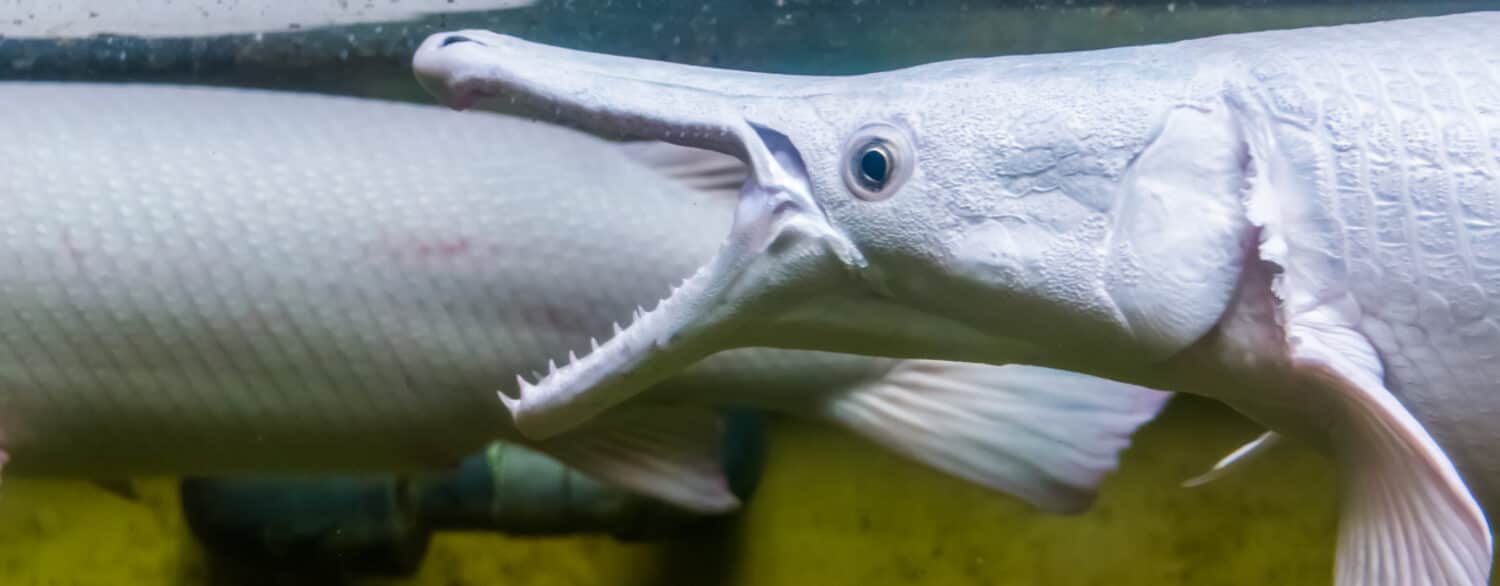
(521, 384)
(616, 326)
(572, 357)
(551, 367)
(593, 345)
(512, 404)
(537, 376)
(637, 316)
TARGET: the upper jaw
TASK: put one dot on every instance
(604, 94)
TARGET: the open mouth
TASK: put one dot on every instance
(781, 247)
(770, 256)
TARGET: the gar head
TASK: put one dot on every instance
(963, 210)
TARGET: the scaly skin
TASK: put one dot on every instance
(1393, 146)
(200, 280)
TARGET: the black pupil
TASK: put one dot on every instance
(874, 166)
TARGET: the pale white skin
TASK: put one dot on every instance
(200, 280)
(75, 19)
(1299, 223)
(241, 280)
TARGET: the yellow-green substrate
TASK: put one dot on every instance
(830, 511)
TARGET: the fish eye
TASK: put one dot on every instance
(874, 165)
(878, 161)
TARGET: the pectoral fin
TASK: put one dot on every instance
(697, 169)
(1408, 519)
(1235, 459)
(1042, 435)
(668, 453)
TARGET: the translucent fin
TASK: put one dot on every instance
(1408, 519)
(668, 453)
(1235, 459)
(1045, 436)
(697, 169)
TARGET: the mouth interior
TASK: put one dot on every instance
(777, 237)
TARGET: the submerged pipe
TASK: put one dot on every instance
(381, 525)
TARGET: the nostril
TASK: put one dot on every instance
(456, 39)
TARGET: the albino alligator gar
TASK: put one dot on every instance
(199, 281)
(1305, 224)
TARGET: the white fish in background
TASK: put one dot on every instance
(68, 19)
(1301, 223)
(211, 281)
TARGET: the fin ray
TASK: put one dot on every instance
(1045, 436)
(1236, 459)
(669, 453)
(697, 169)
(1408, 519)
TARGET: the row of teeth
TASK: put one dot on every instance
(526, 387)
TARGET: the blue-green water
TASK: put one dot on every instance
(785, 36)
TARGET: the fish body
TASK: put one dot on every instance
(201, 281)
(75, 19)
(1296, 222)
(196, 269)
